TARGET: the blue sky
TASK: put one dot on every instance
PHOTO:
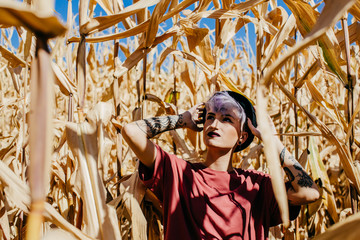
(62, 5)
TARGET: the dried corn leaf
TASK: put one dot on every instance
(66, 86)
(355, 10)
(12, 59)
(137, 29)
(354, 34)
(330, 14)
(19, 194)
(182, 146)
(318, 171)
(347, 229)
(101, 23)
(57, 234)
(15, 78)
(278, 39)
(134, 190)
(17, 14)
(352, 120)
(310, 72)
(221, 14)
(306, 18)
(9, 145)
(99, 218)
(228, 31)
(301, 134)
(130, 62)
(107, 5)
(341, 149)
(199, 42)
(141, 16)
(164, 105)
(247, 5)
(81, 73)
(155, 20)
(4, 221)
(185, 77)
(230, 84)
(272, 157)
(319, 98)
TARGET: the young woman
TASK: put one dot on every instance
(213, 200)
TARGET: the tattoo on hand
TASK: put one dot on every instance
(158, 125)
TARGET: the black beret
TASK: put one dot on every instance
(250, 113)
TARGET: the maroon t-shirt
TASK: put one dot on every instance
(201, 203)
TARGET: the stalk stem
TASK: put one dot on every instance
(296, 138)
(350, 85)
(40, 135)
(81, 59)
(350, 107)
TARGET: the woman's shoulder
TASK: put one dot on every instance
(255, 175)
(173, 159)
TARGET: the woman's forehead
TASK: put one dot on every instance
(224, 110)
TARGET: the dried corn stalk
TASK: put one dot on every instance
(94, 190)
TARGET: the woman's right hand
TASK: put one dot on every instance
(195, 116)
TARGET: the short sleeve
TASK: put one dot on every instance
(274, 207)
(153, 178)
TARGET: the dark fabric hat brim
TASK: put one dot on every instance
(250, 113)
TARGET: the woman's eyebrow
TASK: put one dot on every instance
(229, 115)
(225, 115)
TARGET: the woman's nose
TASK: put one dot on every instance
(215, 123)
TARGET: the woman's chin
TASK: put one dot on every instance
(218, 147)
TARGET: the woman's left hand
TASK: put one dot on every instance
(253, 129)
(257, 132)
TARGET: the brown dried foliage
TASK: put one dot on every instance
(94, 191)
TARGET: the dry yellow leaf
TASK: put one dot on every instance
(17, 14)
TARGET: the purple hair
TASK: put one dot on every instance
(221, 101)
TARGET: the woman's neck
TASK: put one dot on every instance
(219, 160)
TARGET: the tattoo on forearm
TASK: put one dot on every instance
(304, 180)
(298, 166)
(289, 174)
(282, 156)
(156, 125)
(291, 157)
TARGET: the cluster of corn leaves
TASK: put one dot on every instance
(93, 190)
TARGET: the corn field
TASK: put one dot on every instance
(68, 89)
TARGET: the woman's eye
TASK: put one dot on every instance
(209, 117)
(227, 120)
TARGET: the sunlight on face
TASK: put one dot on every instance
(222, 101)
(222, 127)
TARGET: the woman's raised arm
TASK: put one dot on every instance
(138, 133)
(303, 190)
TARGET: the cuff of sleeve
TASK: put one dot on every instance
(294, 210)
(148, 175)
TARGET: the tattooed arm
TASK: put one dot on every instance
(138, 133)
(303, 190)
